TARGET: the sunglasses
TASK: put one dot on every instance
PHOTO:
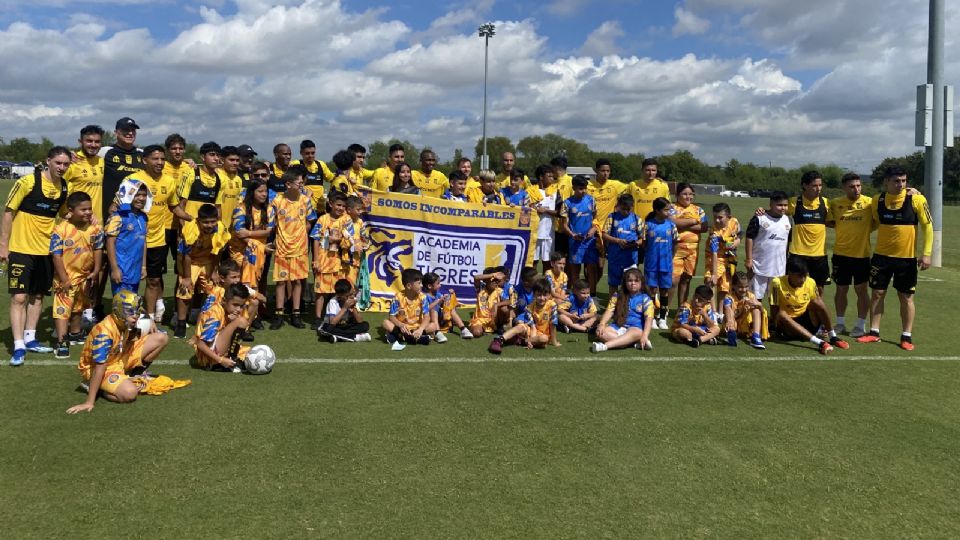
(260, 175)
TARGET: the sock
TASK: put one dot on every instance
(861, 323)
(875, 331)
(815, 340)
(907, 334)
(279, 312)
(19, 344)
(296, 313)
(841, 319)
(833, 334)
(181, 322)
(29, 335)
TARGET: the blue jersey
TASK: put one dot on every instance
(639, 310)
(579, 214)
(519, 198)
(623, 227)
(658, 246)
(447, 195)
(130, 229)
(581, 308)
(518, 297)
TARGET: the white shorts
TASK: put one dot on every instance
(544, 249)
(760, 286)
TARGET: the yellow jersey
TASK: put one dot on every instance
(853, 222)
(291, 224)
(898, 224)
(433, 185)
(644, 193)
(486, 304)
(410, 311)
(328, 255)
(32, 225)
(202, 248)
(179, 174)
(809, 236)
(159, 218)
(793, 301)
(689, 212)
(86, 175)
(605, 198)
(77, 248)
(197, 196)
(382, 179)
(105, 345)
(230, 189)
(558, 283)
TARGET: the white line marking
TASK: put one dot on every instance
(760, 357)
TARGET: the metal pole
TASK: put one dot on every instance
(933, 161)
(485, 159)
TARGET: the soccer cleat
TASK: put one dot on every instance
(869, 338)
(276, 323)
(839, 328)
(397, 346)
(732, 338)
(563, 329)
(296, 322)
(643, 346)
(75, 339)
(37, 347)
(158, 311)
(18, 356)
(465, 333)
(85, 386)
(62, 351)
(496, 345)
(362, 338)
(440, 337)
(906, 343)
(180, 331)
(825, 348)
(597, 347)
(332, 338)
(694, 342)
(839, 343)
(247, 336)
(756, 342)
(857, 332)
(193, 316)
(257, 324)
(662, 324)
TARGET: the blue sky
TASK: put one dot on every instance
(826, 81)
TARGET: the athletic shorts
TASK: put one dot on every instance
(727, 270)
(561, 242)
(117, 370)
(620, 330)
(199, 274)
(806, 322)
(484, 322)
(73, 300)
(350, 273)
(544, 249)
(171, 240)
(156, 261)
(583, 251)
(760, 286)
(290, 268)
(29, 274)
(685, 261)
(847, 270)
(902, 270)
(658, 278)
(818, 267)
(324, 283)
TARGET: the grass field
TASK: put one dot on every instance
(445, 440)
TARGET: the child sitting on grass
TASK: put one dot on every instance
(744, 315)
(219, 329)
(488, 285)
(628, 318)
(557, 275)
(443, 309)
(536, 326)
(695, 322)
(343, 321)
(578, 313)
(409, 313)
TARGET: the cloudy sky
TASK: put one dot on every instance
(757, 80)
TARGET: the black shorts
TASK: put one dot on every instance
(561, 242)
(803, 320)
(157, 261)
(902, 270)
(818, 267)
(172, 237)
(29, 274)
(847, 270)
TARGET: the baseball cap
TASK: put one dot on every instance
(127, 123)
(246, 150)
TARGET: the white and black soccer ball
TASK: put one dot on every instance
(260, 360)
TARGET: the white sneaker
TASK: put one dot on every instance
(397, 346)
(662, 324)
(857, 332)
(839, 328)
(363, 337)
(597, 347)
(648, 346)
(466, 333)
(158, 311)
(440, 337)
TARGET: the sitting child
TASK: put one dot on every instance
(409, 313)
(578, 313)
(443, 309)
(536, 326)
(628, 318)
(488, 301)
(343, 321)
(219, 329)
(695, 322)
(744, 315)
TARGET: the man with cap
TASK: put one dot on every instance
(120, 161)
(247, 157)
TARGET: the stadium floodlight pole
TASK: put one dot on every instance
(487, 31)
(933, 162)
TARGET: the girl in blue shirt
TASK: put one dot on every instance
(660, 243)
(622, 236)
(628, 319)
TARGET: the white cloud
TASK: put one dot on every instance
(565, 8)
(688, 22)
(603, 40)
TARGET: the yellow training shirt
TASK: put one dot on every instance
(854, 223)
(30, 233)
(897, 233)
(644, 193)
(86, 175)
(230, 189)
(208, 180)
(382, 179)
(793, 301)
(605, 198)
(433, 185)
(809, 237)
(159, 217)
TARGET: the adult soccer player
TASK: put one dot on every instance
(852, 218)
(899, 213)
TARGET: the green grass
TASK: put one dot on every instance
(369, 446)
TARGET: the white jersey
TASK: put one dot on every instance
(770, 237)
(545, 228)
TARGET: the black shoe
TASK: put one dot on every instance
(181, 330)
(276, 323)
(247, 336)
(695, 342)
(296, 322)
(257, 324)
(75, 339)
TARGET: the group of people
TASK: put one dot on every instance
(227, 219)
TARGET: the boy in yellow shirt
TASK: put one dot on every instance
(355, 240)
(409, 313)
(200, 244)
(327, 237)
(798, 311)
(293, 211)
(219, 329)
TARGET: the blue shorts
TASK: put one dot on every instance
(617, 265)
(583, 251)
(116, 287)
(661, 279)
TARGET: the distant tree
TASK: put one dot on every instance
(540, 149)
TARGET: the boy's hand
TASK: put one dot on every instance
(316, 266)
(417, 333)
(350, 303)
(499, 276)
(186, 285)
(270, 248)
(116, 276)
(227, 362)
(241, 234)
(83, 407)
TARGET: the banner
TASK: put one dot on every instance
(456, 240)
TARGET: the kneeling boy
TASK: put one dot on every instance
(798, 311)
(219, 328)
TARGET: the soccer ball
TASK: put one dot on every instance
(260, 360)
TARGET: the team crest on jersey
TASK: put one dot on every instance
(61, 310)
(113, 378)
(129, 226)
(303, 212)
(283, 273)
(129, 159)
(68, 243)
(282, 212)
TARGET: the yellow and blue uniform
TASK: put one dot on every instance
(210, 323)
(558, 283)
(580, 215)
(251, 253)
(518, 297)
(658, 244)
(688, 243)
(444, 309)
(744, 315)
(111, 343)
(290, 260)
(520, 198)
(328, 256)
(130, 228)
(575, 306)
(77, 248)
(485, 314)
(720, 247)
(410, 312)
(639, 311)
(355, 239)
(539, 320)
(622, 227)
(203, 250)
(703, 318)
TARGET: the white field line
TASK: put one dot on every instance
(759, 357)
